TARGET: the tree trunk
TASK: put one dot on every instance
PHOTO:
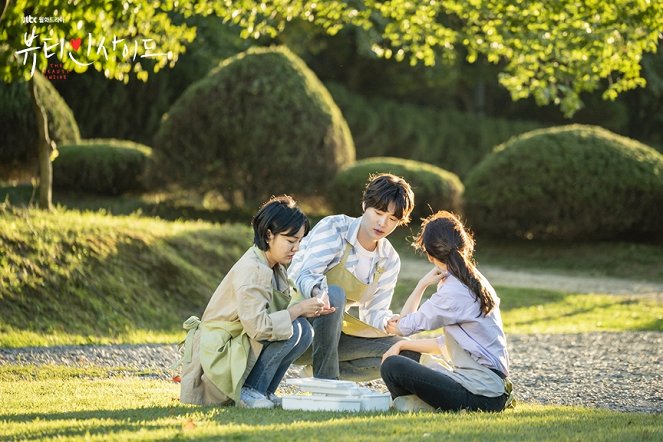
(45, 148)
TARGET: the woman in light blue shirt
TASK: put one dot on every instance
(471, 363)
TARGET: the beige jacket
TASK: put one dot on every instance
(243, 296)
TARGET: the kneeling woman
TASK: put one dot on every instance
(249, 335)
(472, 372)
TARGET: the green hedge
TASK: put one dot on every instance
(101, 166)
(259, 124)
(453, 140)
(568, 182)
(18, 127)
(434, 188)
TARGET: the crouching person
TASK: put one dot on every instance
(249, 333)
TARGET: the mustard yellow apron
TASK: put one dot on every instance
(356, 291)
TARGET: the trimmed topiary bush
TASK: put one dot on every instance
(259, 124)
(569, 182)
(434, 188)
(103, 166)
(18, 127)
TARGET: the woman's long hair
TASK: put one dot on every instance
(444, 237)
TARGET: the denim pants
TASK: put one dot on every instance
(403, 376)
(335, 355)
(276, 357)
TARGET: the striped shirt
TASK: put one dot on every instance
(323, 248)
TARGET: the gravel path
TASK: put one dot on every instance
(618, 371)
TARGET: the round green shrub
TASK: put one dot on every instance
(18, 127)
(102, 166)
(434, 188)
(261, 123)
(568, 182)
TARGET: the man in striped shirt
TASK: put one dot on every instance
(348, 262)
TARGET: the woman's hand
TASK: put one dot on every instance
(392, 325)
(310, 308)
(434, 276)
(393, 350)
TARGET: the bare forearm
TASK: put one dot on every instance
(413, 301)
(429, 346)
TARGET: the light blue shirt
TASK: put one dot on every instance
(323, 248)
(455, 307)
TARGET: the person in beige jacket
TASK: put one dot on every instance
(250, 331)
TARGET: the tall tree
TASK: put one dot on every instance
(551, 50)
(117, 38)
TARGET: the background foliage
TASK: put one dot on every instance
(447, 138)
(18, 127)
(106, 167)
(568, 182)
(552, 52)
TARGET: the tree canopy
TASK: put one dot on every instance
(115, 38)
(553, 51)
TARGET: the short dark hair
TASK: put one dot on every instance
(278, 215)
(385, 188)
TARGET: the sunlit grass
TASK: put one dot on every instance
(548, 311)
(628, 260)
(82, 277)
(74, 404)
(13, 337)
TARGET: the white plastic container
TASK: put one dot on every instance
(334, 395)
(326, 386)
(375, 402)
(322, 403)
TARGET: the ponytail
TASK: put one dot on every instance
(444, 237)
(466, 272)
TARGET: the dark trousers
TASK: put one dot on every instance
(404, 376)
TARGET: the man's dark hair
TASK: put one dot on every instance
(386, 188)
(278, 215)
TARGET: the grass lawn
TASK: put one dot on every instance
(548, 311)
(64, 403)
(523, 311)
(628, 260)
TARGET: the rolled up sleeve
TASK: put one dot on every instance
(258, 323)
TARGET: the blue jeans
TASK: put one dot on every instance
(336, 355)
(276, 357)
(403, 376)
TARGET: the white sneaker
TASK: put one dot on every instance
(277, 401)
(250, 398)
(411, 403)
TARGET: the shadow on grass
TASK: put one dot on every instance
(213, 423)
